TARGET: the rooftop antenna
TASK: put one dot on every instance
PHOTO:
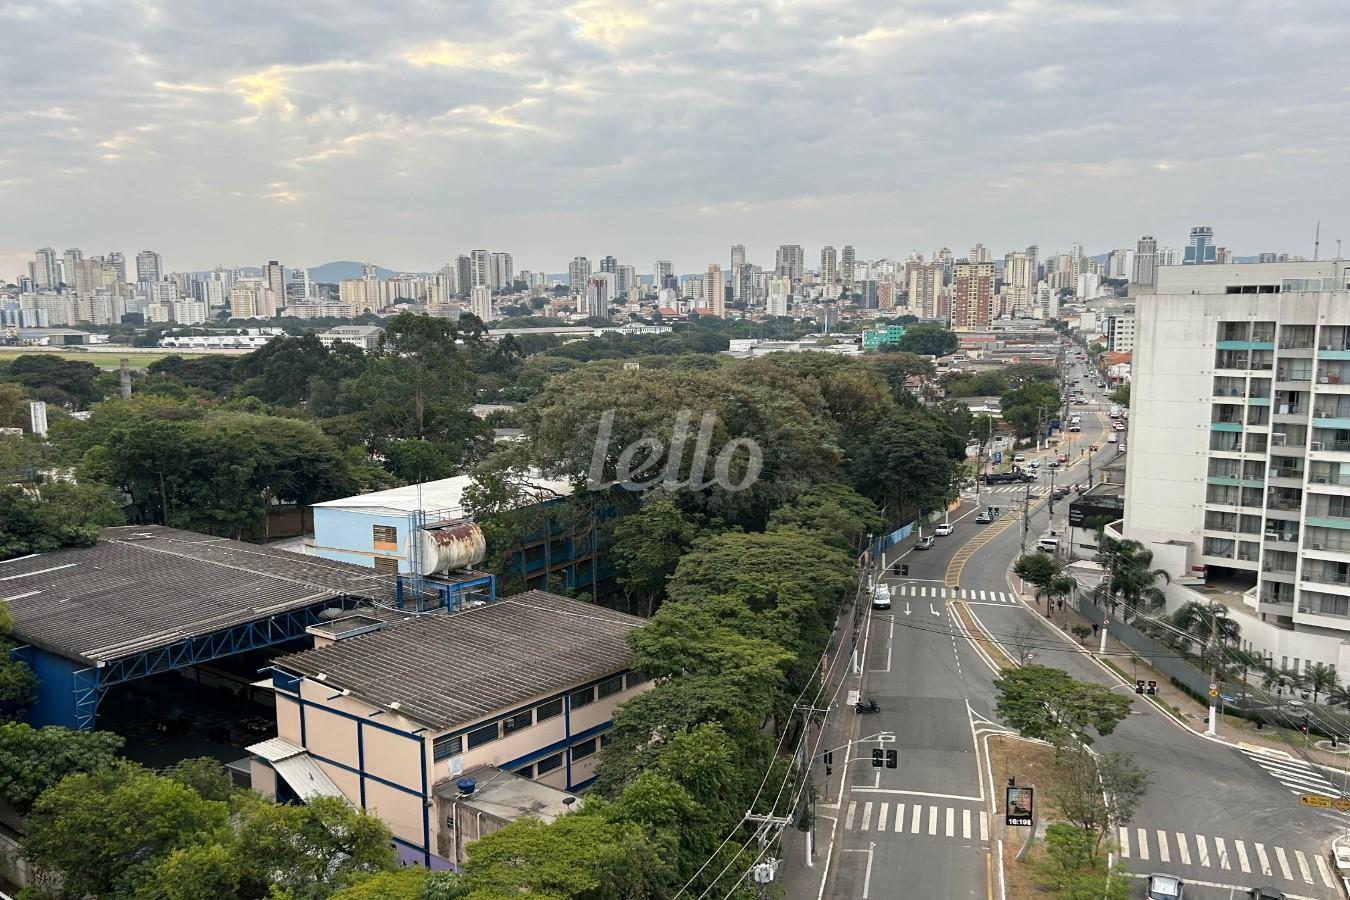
(1317, 240)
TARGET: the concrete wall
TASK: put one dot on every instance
(347, 535)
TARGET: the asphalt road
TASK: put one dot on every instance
(1214, 815)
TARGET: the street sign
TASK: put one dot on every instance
(1213, 687)
(1020, 805)
(1213, 693)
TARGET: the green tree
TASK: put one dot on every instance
(907, 464)
(1131, 578)
(216, 375)
(286, 369)
(58, 380)
(577, 857)
(106, 831)
(1320, 678)
(1121, 395)
(1071, 869)
(1029, 407)
(1038, 570)
(62, 514)
(1097, 793)
(34, 759)
(413, 883)
(1210, 626)
(834, 512)
(415, 460)
(1045, 703)
(928, 339)
(647, 546)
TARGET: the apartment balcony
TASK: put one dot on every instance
(1326, 520)
(1329, 450)
(1337, 423)
(1245, 345)
(1233, 425)
(1281, 539)
(1285, 478)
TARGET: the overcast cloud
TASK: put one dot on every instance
(408, 131)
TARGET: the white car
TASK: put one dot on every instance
(1112, 439)
(1019, 458)
(881, 598)
(944, 529)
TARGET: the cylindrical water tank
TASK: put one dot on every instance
(454, 546)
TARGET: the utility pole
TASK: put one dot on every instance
(1026, 517)
(1212, 730)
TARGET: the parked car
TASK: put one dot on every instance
(924, 543)
(1164, 887)
(1063, 457)
(1048, 544)
(1112, 439)
(944, 529)
(1019, 458)
(1266, 893)
(881, 597)
(1062, 491)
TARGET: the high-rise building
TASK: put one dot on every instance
(501, 271)
(609, 264)
(482, 267)
(779, 296)
(737, 256)
(1019, 274)
(627, 280)
(361, 294)
(886, 291)
(789, 262)
(868, 293)
(300, 287)
(846, 266)
(149, 267)
(1169, 256)
(1120, 263)
(480, 302)
(1200, 250)
(972, 295)
(715, 291)
(738, 268)
(743, 284)
(1145, 260)
(829, 265)
(578, 272)
(595, 299)
(663, 275)
(463, 275)
(47, 269)
(118, 261)
(981, 254)
(1237, 460)
(70, 262)
(925, 283)
(1120, 333)
(274, 277)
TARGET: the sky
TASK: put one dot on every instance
(406, 132)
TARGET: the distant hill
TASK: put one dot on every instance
(333, 272)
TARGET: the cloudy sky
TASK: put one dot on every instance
(407, 131)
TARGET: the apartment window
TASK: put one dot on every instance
(524, 771)
(611, 686)
(583, 697)
(633, 679)
(384, 534)
(604, 739)
(517, 722)
(447, 746)
(386, 565)
(584, 749)
(480, 736)
(548, 710)
(548, 764)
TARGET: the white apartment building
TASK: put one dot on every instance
(1120, 333)
(1239, 448)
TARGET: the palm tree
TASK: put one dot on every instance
(1130, 576)
(1059, 586)
(1210, 626)
(1319, 678)
(1338, 695)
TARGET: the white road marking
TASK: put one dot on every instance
(885, 811)
(1201, 850)
(1284, 863)
(1241, 849)
(1303, 866)
(899, 817)
(951, 822)
(852, 812)
(965, 824)
(932, 820)
(984, 825)
(1263, 859)
(914, 822)
(1221, 852)
(1143, 843)
(867, 816)
(1163, 853)
(1183, 849)
(1124, 842)
(1324, 871)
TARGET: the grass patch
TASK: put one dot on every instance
(136, 358)
(1031, 764)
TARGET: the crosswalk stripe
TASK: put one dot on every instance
(1303, 866)
(1202, 850)
(984, 825)
(1242, 856)
(867, 816)
(1163, 853)
(914, 822)
(899, 817)
(932, 820)
(965, 824)
(885, 811)
(1183, 849)
(852, 812)
(1143, 844)
(1324, 871)
(1284, 863)
(1124, 842)
(951, 822)
(1221, 852)
(1263, 859)
(981, 595)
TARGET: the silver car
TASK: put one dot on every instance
(1162, 886)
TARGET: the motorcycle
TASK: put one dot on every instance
(867, 705)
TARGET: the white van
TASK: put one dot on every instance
(1048, 544)
(881, 598)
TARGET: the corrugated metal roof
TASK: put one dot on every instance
(274, 749)
(446, 670)
(142, 587)
(298, 769)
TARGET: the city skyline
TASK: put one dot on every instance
(288, 137)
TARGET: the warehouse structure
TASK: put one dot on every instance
(149, 599)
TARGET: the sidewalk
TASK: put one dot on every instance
(1179, 706)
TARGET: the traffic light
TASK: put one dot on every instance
(1152, 688)
(904, 570)
(876, 758)
(1139, 686)
(892, 759)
